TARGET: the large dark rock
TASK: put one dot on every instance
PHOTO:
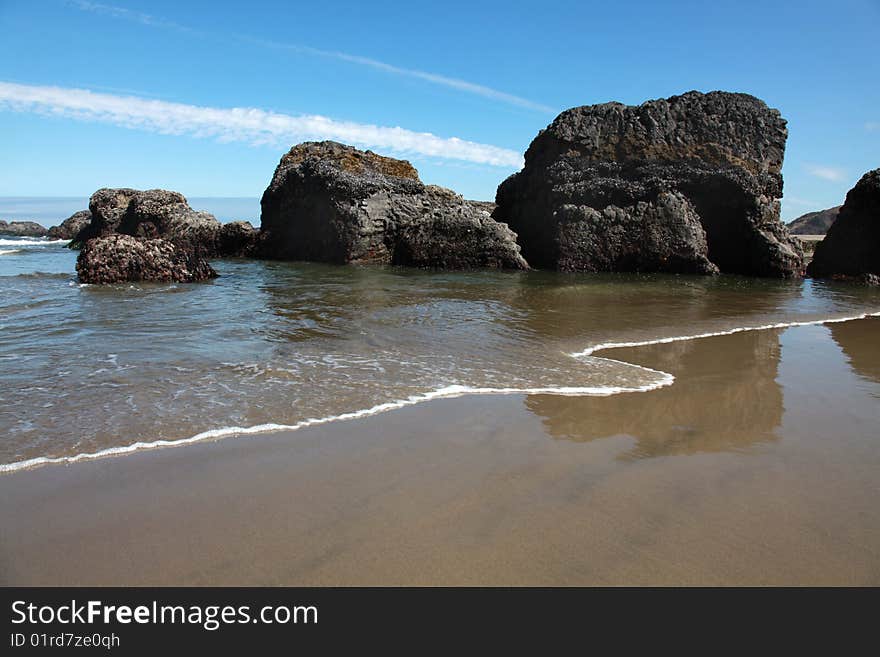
(686, 184)
(851, 249)
(22, 229)
(70, 227)
(161, 213)
(123, 258)
(329, 202)
(814, 223)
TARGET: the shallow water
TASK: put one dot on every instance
(86, 369)
(757, 467)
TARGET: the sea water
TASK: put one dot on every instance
(89, 371)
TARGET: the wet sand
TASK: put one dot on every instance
(758, 466)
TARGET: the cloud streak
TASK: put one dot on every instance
(241, 124)
(834, 174)
(432, 78)
(127, 14)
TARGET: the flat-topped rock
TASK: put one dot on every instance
(685, 184)
(344, 158)
(330, 202)
(22, 229)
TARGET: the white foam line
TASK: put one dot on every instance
(442, 393)
(8, 251)
(589, 351)
(25, 241)
(665, 379)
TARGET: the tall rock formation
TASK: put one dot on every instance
(687, 184)
(851, 247)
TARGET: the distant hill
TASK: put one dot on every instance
(814, 223)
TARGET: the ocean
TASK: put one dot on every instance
(89, 371)
(51, 211)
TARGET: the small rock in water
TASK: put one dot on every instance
(123, 258)
(70, 227)
(161, 213)
(22, 229)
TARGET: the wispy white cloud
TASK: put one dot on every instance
(834, 174)
(127, 14)
(241, 124)
(872, 126)
(433, 78)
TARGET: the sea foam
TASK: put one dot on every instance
(448, 392)
(31, 241)
(589, 351)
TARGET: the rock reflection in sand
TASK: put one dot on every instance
(725, 398)
(860, 341)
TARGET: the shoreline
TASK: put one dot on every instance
(448, 392)
(495, 490)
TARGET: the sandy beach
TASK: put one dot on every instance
(758, 466)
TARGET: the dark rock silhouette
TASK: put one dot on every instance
(686, 184)
(237, 238)
(71, 227)
(328, 202)
(851, 249)
(22, 229)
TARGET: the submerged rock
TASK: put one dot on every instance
(161, 213)
(686, 184)
(71, 227)
(22, 229)
(851, 249)
(123, 258)
(329, 202)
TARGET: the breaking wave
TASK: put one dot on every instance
(31, 241)
(659, 379)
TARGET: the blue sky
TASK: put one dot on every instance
(142, 94)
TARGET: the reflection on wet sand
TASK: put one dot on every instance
(635, 307)
(860, 341)
(476, 490)
(725, 398)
